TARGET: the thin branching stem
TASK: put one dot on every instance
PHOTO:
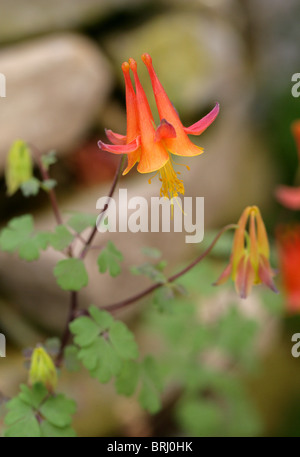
(87, 245)
(67, 333)
(128, 301)
(100, 218)
(46, 177)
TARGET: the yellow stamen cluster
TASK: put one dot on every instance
(171, 184)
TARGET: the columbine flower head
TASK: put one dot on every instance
(288, 239)
(249, 262)
(150, 146)
(286, 195)
(42, 369)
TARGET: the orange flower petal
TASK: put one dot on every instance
(132, 159)
(131, 105)
(181, 145)
(262, 237)
(153, 155)
(239, 240)
(253, 239)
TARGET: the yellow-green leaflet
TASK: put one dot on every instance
(18, 166)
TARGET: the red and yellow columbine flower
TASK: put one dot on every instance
(152, 147)
(288, 239)
(286, 195)
(249, 262)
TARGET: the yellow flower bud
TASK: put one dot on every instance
(42, 369)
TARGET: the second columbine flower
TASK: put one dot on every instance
(249, 262)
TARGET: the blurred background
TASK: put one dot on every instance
(64, 85)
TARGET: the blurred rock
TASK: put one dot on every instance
(55, 87)
(198, 59)
(21, 19)
(276, 36)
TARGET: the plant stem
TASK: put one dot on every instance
(51, 192)
(67, 333)
(111, 192)
(122, 304)
(74, 295)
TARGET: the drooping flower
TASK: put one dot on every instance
(286, 195)
(149, 145)
(249, 262)
(42, 369)
(288, 239)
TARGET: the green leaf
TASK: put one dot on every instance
(50, 431)
(236, 334)
(42, 240)
(85, 330)
(149, 396)
(199, 417)
(127, 379)
(71, 274)
(58, 410)
(27, 427)
(35, 413)
(29, 251)
(104, 344)
(30, 187)
(123, 341)
(61, 239)
(49, 159)
(21, 420)
(109, 363)
(90, 355)
(102, 318)
(81, 221)
(18, 236)
(48, 184)
(71, 359)
(151, 271)
(109, 260)
(153, 253)
(17, 410)
(34, 396)
(18, 167)
(166, 297)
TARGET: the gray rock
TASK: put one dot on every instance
(277, 36)
(55, 88)
(21, 19)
